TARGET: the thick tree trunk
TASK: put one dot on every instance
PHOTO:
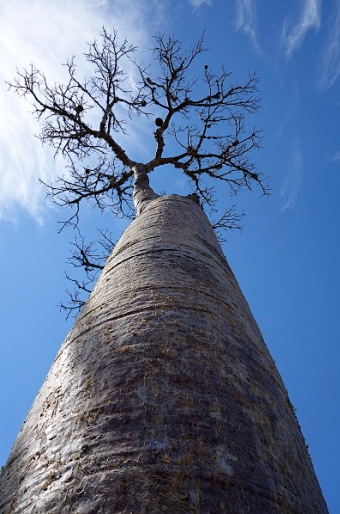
(163, 398)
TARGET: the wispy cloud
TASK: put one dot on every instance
(40, 32)
(198, 3)
(291, 186)
(330, 70)
(335, 157)
(246, 21)
(293, 33)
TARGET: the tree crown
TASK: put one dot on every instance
(199, 125)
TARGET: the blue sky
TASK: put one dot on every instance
(286, 258)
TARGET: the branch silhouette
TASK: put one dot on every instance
(200, 127)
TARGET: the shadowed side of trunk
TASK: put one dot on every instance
(163, 398)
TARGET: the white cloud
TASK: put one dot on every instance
(47, 34)
(331, 57)
(293, 179)
(246, 21)
(293, 33)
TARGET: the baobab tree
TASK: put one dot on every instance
(164, 397)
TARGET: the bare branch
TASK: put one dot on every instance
(77, 297)
(230, 220)
(201, 126)
(203, 116)
(91, 256)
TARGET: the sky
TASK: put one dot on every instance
(287, 256)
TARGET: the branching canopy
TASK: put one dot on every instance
(200, 126)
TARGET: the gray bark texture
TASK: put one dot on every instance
(163, 397)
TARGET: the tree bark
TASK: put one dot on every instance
(142, 192)
(163, 397)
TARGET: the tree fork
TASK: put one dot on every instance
(163, 397)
